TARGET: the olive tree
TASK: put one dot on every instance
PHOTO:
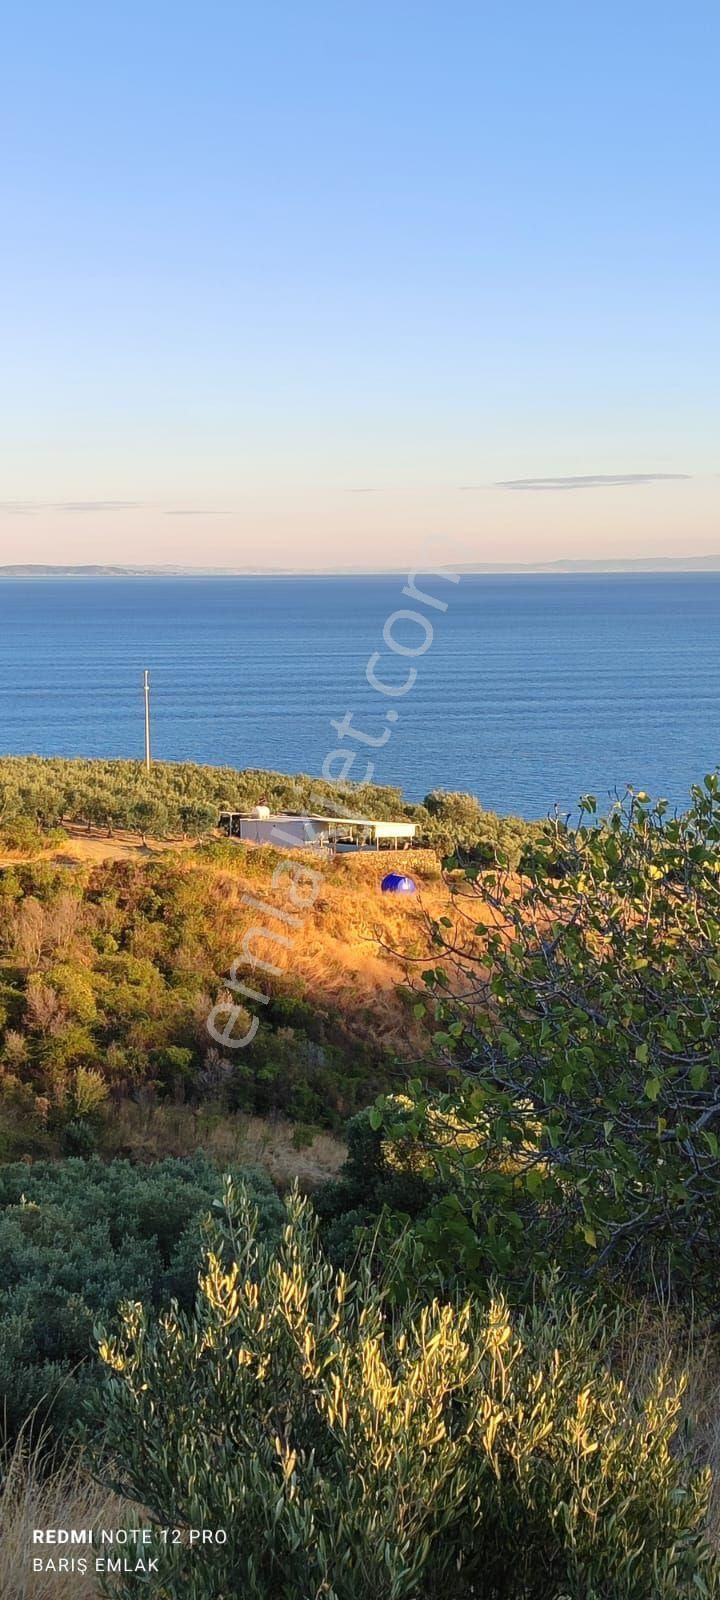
(351, 1450)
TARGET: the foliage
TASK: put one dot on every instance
(354, 1451)
(21, 834)
(175, 798)
(113, 971)
(375, 1199)
(107, 978)
(180, 798)
(75, 1238)
(584, 1030)
(90, 1092)
(458, 826)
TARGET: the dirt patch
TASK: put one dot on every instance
(151, 1132)
(96, 845)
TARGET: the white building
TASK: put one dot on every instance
(290, 831)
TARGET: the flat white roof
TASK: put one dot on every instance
(314, 816)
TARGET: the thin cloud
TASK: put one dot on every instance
(97, 505)
(23, 508)
(197, 511)
(598, 480)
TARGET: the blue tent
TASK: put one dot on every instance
(397, 883)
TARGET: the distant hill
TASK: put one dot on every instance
(37, 570)
(631, 564)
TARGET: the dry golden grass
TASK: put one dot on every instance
(151, 1132)
(655, 1336)
(66, 1497)
(354, 945)
(354, 949)
(94, 845)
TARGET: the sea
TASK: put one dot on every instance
(526, 690)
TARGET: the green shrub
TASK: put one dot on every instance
(90, 1092)
(457, 825)
(115, 970)
(354, 1451)
(585, 1111)
(22, 834)
(76, 1237)
(79, 1137)
(373, 1201)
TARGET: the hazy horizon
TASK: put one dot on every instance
(626, 564)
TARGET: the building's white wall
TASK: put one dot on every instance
(291, 832)
(299, 832)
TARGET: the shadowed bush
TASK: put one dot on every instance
(75, 1238)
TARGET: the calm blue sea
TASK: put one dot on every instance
(532, 691)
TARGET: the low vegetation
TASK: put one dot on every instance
(109, 975)
(580, 1024)
(482, 1323)
(76, 1238)
(39, 794)
(356, 1450)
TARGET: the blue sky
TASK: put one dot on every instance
(280, 280)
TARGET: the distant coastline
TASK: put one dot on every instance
(640, 564)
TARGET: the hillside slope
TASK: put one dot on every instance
(110, 972)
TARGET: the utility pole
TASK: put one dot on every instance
(146, 685)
